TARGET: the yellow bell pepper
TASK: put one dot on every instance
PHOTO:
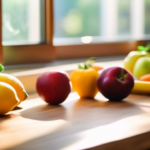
(84, 81)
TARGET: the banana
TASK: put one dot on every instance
(141, 87)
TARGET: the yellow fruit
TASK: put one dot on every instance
(16, 84)
(84, 82)
(141, 87)
(8, 98)
(131, 58)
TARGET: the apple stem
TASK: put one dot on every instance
(122, 76)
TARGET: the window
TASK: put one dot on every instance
(103, 20)
(82, 28)
(30, 48)
(22, 25)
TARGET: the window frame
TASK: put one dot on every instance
(97, 50)
(21, 54)
(46, 52)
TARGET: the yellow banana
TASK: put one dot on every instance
(141, 87)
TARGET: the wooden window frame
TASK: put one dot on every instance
(97, 50)
(21, 54)
(46, 52)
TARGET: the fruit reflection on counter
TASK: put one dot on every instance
(138, 62)
(84, 79)
(115, 83)
(12, 92)
(53, 87)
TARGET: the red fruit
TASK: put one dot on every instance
(53, 87)
(115, 83)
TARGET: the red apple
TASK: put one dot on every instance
(115, 83)
(53, 87)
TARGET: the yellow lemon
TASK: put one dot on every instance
(16, 84)
(8, 98)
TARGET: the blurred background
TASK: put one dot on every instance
(76, 21)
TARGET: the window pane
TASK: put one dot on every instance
(22, 22)
(124, 17)
(89, 21)
(75, 18)
(147, 17)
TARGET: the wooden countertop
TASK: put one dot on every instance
(78, 124)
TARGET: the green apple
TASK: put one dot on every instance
(132, 57)
(141, 67)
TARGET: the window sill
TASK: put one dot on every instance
(28, 74)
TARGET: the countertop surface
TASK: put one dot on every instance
(78, 124)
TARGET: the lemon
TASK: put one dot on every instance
(16, 84)
(8, 98)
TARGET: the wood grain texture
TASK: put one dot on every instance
(78, 124)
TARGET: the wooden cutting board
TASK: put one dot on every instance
(78, 124)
